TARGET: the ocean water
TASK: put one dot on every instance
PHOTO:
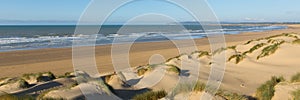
(58, 36)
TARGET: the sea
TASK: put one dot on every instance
(28, 37)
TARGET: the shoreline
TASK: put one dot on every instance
(59, 60)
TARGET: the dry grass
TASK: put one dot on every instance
(296, 95)
(269, 50)
(266, 90)
(151, 95)
(238, 58)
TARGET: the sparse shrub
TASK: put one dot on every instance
(266, 90)
(296, 78)
(269, 50)
(151, 95)
(238, 58)
(296, 95)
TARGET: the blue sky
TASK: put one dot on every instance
(69, 11)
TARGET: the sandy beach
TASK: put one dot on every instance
(244, 77)
(59, 60)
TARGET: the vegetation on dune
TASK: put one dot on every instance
(230, 96)
(297, 41)
(40, 77)
(269, 50)
(266, 90)
(238, 58)
(232, 47)
(199, 87)
(21, 82)
(67, 75)
(201, 53)
(248, 42)
(189, 87)
(296, 94)
(257, 46)
(219, 51)
(173, 68)
(7, 96)
(141, 71)
(296, 78)
(151, 95)
(283, 34)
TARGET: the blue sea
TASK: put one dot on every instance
(27, 37)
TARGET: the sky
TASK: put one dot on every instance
(70, 11)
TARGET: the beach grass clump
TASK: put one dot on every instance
(19, 81)
(201, 53)
(199, 87)
(232, 47)
(248, 42)
(230, 96)
(297, 41)
(174, 69)
(238, 58)
(189, 87)
(67, 75)
(142, 71)
(296, 95)
(31, 75)
(296, 78)
(151, 95)
(7, 96)
(23, 84)
(46, 76)
(219, 50)
(269, 50)
(257, 46)
(266, 90)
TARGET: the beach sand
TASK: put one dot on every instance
(59, 60)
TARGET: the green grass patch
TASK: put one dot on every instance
(296, 78)
(266, 90)
(151, 95)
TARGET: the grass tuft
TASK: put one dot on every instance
(297, 41)
(238, 58)
(296, 95)
(266, 90)
(174, 69)
(269, 50)
(151, 95)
